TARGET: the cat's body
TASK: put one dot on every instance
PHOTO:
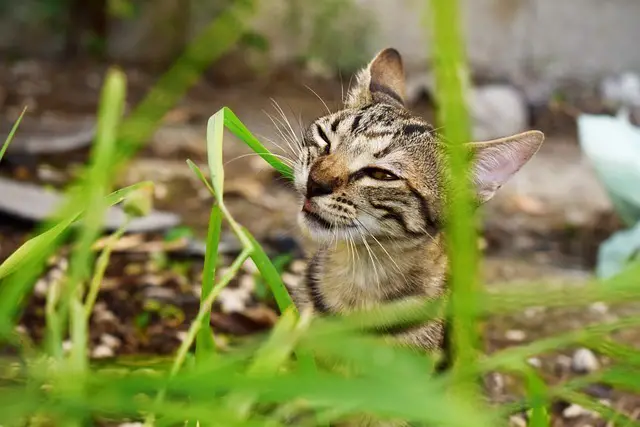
(371, 177)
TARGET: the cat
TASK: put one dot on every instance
(370, 178)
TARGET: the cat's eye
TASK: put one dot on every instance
(380, 174)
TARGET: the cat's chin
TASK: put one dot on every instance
(321, 230)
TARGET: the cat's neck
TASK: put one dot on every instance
(375, 271)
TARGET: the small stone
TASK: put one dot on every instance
(66, 346)
(104, 316)
(102, 352)
(535, 362)
(41, 287)
(574, 411)
(249, 266)
(515, 335)
(159, 293)
(599, 307)
(517, 421)
(131, 425)
(182, 335)
(497, 111)
(584, 361)
(110, 340)
(247, 283)
(231, 301)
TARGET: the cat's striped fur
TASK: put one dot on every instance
(370, 177)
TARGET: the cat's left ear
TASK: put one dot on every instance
(382, 80)
(495, 162)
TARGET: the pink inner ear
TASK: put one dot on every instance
(495, 165)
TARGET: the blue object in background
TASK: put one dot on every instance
(612, 144)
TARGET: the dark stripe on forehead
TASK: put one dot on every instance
(385, 151)
(335, 124)
(415, 128)
(356, 123)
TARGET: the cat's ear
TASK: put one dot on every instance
(382, 80)
(494, 162)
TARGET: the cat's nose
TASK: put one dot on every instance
(317, 188)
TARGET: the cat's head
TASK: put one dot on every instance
(373, 168)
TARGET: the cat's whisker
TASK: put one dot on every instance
(286, 160)
(383, 249)
(373, 262)
(271, 141)
(286, 120)
(290, 142)
(320, 98)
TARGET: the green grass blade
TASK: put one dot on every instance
(205, 344)
(537, 394)
(270, 274)
(98, 184)
(451, 73)
(238, 128)
(215, 139)
(32, 251)
(7, 141)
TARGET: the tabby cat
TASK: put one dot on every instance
(370, 177)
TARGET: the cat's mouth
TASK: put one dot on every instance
(315, 218)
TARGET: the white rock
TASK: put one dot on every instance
(584, 361)
(247, 283)
(599, 307)
(621, 90)
(102, 351)
(496, 111)
(41, 287)
(249, 266)
(535, 362)
(110, 340)
(231, 301)
(574, 411)
(515, 335)
(517, 421)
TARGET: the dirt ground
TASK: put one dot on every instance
(546, 224)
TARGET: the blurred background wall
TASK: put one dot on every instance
(520, 40)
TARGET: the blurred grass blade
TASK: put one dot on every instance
(7, 141)
(451, 76)
(215, 40)
(99, 182)
(13, 292)
(205, 344)
(272, 355)
(537, 394)
(238, 128)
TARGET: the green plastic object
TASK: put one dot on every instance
(612, 145)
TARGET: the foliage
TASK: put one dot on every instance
(308, 371)
(328, 35)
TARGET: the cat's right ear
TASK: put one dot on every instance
(495, 162)
(382, 80)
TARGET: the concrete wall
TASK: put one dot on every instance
(543, 39)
